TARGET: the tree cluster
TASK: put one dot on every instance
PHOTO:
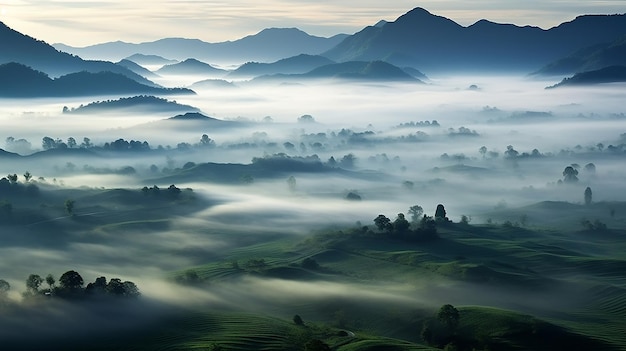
(71, 286)
(423, 229)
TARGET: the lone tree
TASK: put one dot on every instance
(69, 207)
(588, 195)
(449, 316)
(298, 320)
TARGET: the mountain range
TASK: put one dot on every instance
(270, 44)
(433, 43)
(17, 47)
(18, 80)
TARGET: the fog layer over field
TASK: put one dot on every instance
(530, 136)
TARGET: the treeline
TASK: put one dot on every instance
(71, 286)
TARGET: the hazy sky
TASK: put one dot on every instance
(81, 23)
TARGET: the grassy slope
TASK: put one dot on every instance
(523, 259)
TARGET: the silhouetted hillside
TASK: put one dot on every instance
(352, 70)
(293, 65)
(266, 46)
(434, 43)
(141, 103)
(191, 67)
(17, 80)
(589, 59)
(17, 47)
(375, 70)
(213, 84)
(612, 74)
(149, 59)
(137, 69)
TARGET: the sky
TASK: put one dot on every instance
(83, 23)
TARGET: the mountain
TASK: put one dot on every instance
(589, 59)
(191, 67)
(352, 70)
(149, 59)
(612, 74)
(17, 47)
(134, 67)
(18, 80)
(434, 43)
(293, 65)
(266, 46)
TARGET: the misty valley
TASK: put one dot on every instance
(316, 201)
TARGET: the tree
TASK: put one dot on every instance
(588, 196)
(401, 225)
(12, 178)
(50, 281)
(71, 142)
(449, 316)
(298, 320)
(465, 219)
(69, 207)
(416, 212)
(205, 141)
(48, 143)
(71, 281)
(382, 222)
(27, 176)
(306, 119)
(590, 168)
(440, 213)
(483, 151)
(570, 175)
(32, 284)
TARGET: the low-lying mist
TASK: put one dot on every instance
(356, 150)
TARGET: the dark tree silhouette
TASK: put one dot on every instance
(588, 196)
(400, 224)
(69, 207)
(570, 175)
(298, 320)
(449, 316)
(440, 213)
(50, 281)
(382, 222)
(71, 281)
(27, 176)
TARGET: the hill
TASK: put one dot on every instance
(268, 45)
(612, 74)
(17, 47)
(293, 65)
(191, 67)
(149, 59)
(141, 103)
(137, 69)
(435, 43)
(352, 70)
(17, 80)
(589, 59)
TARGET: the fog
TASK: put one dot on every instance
(396, 165)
